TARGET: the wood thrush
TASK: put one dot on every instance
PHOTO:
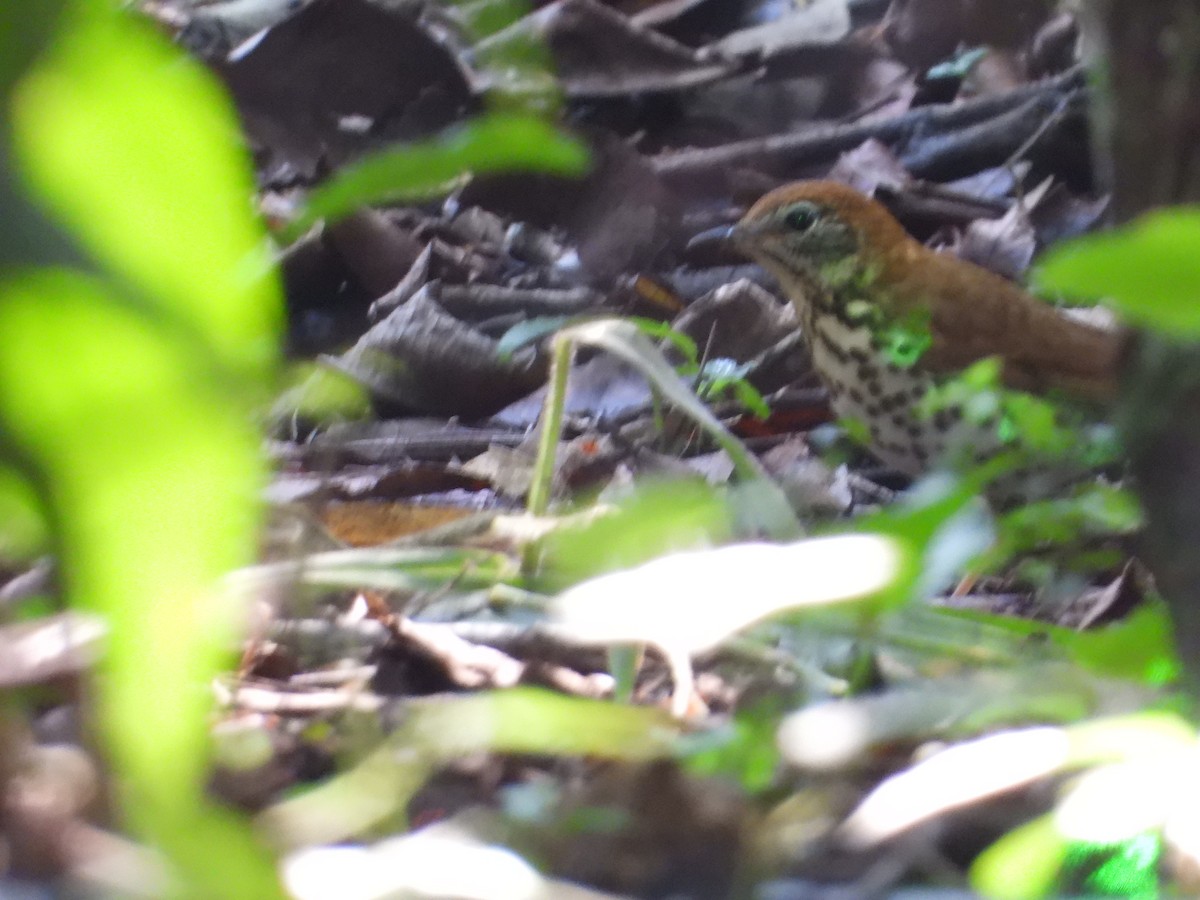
(886, 319)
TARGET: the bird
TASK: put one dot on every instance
(886, 319)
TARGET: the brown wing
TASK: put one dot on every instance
(976, 314)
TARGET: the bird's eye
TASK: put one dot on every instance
(800, 218)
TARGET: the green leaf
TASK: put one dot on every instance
(663, 331)
(906, 338)
(1092, 510)
(440, 729)
(498, 142)
(1140, 647)
(1150, 270)
(656, 518)
(530, 330)
(944, 526)
(129, 400)
(483, 19)
(959, 66)
(625, 341)
(133, 147)
(1129, 868)
(25, 532)
(750, 397)
(321, 394)
(743, 748)
(24, 30)
(146, 471)
(1022, 865)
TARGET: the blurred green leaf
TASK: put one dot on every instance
(1022, 865)
(322, 395)
(974, 390)
(130, 401)
(934, 637)
(497, 142)
(743, 748)
(134, 148)
(906, 339)
(1040, 429)
(25, 27)
(25, 532)
(1105, 829)
(751, 398)
(1137, 736)
(719, 376)
(663, 331)
(1094, 510)
(945, 527)
(1150, 270)
(440, 729)
(148, 470)
(656, 518)
(1129, 868)
(531, 720)
(486, 18)
(1140, 647)
(516, 67)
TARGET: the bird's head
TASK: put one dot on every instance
(819, 232)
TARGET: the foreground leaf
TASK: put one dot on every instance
(133, 146)
(146, 471)
(1150, 270)
(418, 171)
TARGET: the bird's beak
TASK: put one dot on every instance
(714, 238)
(741, 235)
(725, 236)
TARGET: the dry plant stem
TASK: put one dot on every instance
(921, 132)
